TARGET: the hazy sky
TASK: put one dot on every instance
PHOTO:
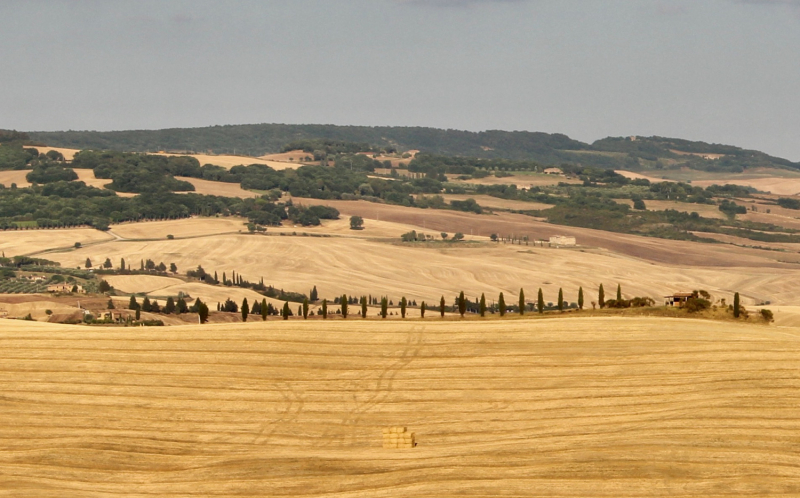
(719, 70)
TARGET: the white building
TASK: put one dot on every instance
(562, 240)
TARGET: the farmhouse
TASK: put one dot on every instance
(677, 299)
(562, 240)
(65, 288)
(114, 316)
(553, 171)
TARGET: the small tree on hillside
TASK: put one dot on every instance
(601, 297)
(110, 304)
(540, 301)
(422, 309)
(174, 269)
(286, 310)
(736, 306)
(170, 306)
(146, 304)
(314, 295)
(245, 309)
(560, 300)
(103, 286)
(324, 309)
(619, 292)
(122, 264)
(482, 305)
(305, 308)
(181, 306)
(403, 304)
(501, 304)
(107, 263)
(441, 306)
(521, 301)
(88, 263)
(356, 223)
(384, 306)
(462, 304)
(264, 309)
(343, 302)
(363, 306)
(580, 298)
(138, 315)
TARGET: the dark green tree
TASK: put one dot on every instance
(580, 298)
(313, 295)
(305, 308)
(343, 302)
(482, 305)
(174, 269)
(736, 305)
(103, 286)
(264, 309)
(601, 297)
(122, 264)
(422, 309)
(139, 314)
(132, 304)
(384, 306)
(403, 304)
(560, 300)
(146, 304)
(619, 292)
(501, 305)
(181, 306)
(441, 306)
(170, 306)
(540, 301)
(107, 263)
(521, 301)
(110, 304)
(202, 310)
(245, 309)
(324, 309)
(363, 306)
(286, 310)
(88, 263)
(462, 304)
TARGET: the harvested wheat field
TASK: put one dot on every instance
(574, 407)
(229, 161)
(197, 226)
(20, 242)
(208, 187)
(15, 176)
(68, 154)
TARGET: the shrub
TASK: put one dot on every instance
(767, 315)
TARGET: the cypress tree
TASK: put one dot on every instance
(441, 306)
(314, 294)
(224, 279)
(384, 306)
(202, 310)
(601, 297)
(110, 304)
(324, 309)
(286, 310)
(216, 280)
(736, 310)
(560, 300)
(483, 305)
(300, 310)
(619, 292)
(88, 263)
(146, 304)
(462, 304)
(219, 306)
(122, 264)
(305, 308)
(540, 301)
(170, 306)
(264, 309)
(501, 304)
(343, 302)
(363, 306)
(403, 304)
(245, 309)
(132, 304)
(580, 298)
(521, 301)
(422, 309)
(139, 314)
(141, 264)
(181, 306)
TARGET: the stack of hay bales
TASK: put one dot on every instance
(398, 437)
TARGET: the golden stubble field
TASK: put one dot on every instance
(573, 407)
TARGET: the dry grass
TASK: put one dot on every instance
(704, 210)
(576, 407)
(68, 154)
(293, 156)
(17, 176)
(522, 180)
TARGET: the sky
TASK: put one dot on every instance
(723, 71)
